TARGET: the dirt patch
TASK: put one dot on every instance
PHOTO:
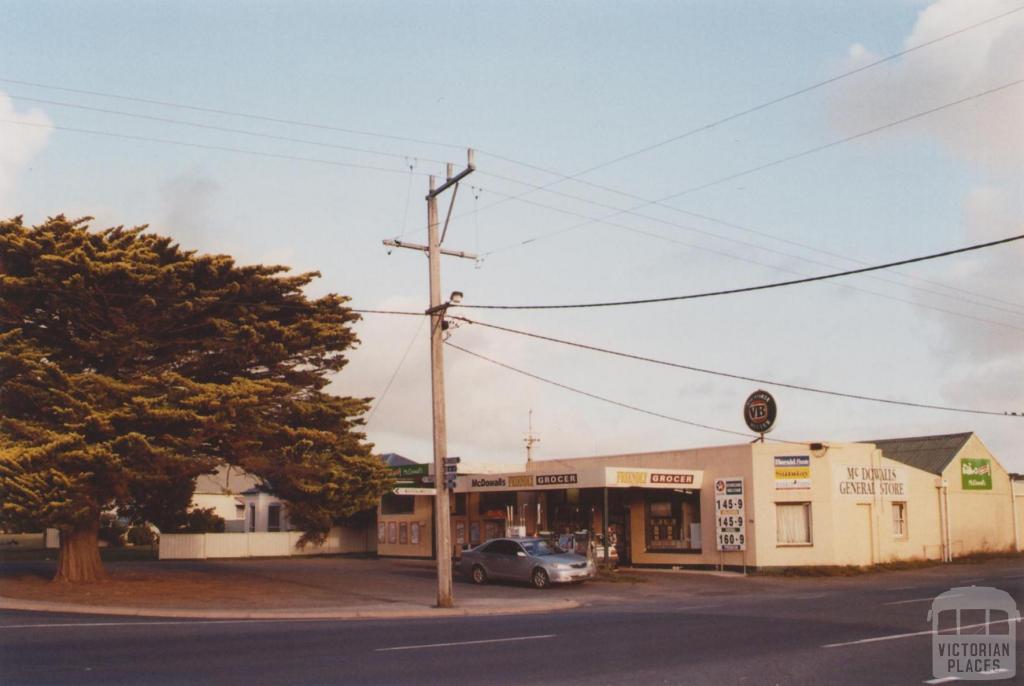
(179, 588)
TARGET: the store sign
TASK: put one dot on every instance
(792, 471)
(412, 477)
(858, 481)
(524, 481)
(730, 514)
(759, 412)
(975, 474)
(672, 479)
(556, 479)
(636, 478)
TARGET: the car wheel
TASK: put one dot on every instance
(479, 575)
(540, 578)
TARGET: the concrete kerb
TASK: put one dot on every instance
(408, 611)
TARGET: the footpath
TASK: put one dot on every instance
(284, 588)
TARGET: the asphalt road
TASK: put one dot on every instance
(860, 630)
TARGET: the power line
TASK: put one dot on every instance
(748, 289)
(211, 127)
(761, 167)
(841, 141)
(594, 396)
(755, 108)
(163, 299)
(394, 374)
(203, 146)
(748, 244)
(730, 375)
(231, 113)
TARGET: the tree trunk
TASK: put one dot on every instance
(79, 558)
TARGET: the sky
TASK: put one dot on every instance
(303, 134)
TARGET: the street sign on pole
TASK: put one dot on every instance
(451, 468)
(452, 460)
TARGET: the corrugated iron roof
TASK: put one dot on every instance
(928, 453)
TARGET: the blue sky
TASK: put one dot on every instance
(566, 86)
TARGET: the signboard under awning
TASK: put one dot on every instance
(586, 477)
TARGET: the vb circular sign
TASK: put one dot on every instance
(759, 412)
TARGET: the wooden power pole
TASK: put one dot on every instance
(437, 309)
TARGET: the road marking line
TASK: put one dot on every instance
(893, 637)
(920, 600)
(943, 680)
(467, 643)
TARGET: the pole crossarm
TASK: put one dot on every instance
(452, 180)
(395, 243)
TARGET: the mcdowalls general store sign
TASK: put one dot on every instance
(868, 481)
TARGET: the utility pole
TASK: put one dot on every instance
(437, 309)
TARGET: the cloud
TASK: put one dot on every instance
(985, 132)
(18, 145)
(980, 365)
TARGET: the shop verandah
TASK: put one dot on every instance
(656, 510)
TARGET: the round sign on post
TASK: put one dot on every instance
(759, 412)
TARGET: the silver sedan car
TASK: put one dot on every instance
(534, 560)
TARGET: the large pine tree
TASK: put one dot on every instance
(129, 366)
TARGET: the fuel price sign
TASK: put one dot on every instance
(730, 514)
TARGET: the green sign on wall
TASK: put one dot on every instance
(976, 475)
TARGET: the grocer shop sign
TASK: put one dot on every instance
(759, 411)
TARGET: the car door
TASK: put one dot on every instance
(503, 557)
(520, 564)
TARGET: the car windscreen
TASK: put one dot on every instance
(542, 548)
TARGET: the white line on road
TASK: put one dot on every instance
(920, 600)
(893, 637)
(467, 643)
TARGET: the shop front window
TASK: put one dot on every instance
(672, 521)
(495, 504)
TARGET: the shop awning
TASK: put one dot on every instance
(585, 477)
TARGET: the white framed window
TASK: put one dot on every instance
(793, 523)
(899, 520)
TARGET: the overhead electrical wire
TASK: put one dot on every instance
(1013, 309)
(394, 374)
(221, 129)
(755, 108)
(594, 396)
(230, 113)
(767, 165)
(730, 375)
(205, 146)
(748, 289)
(234, 301)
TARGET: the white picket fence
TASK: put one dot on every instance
(272, 544)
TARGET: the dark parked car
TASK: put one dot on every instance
(534, 560)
